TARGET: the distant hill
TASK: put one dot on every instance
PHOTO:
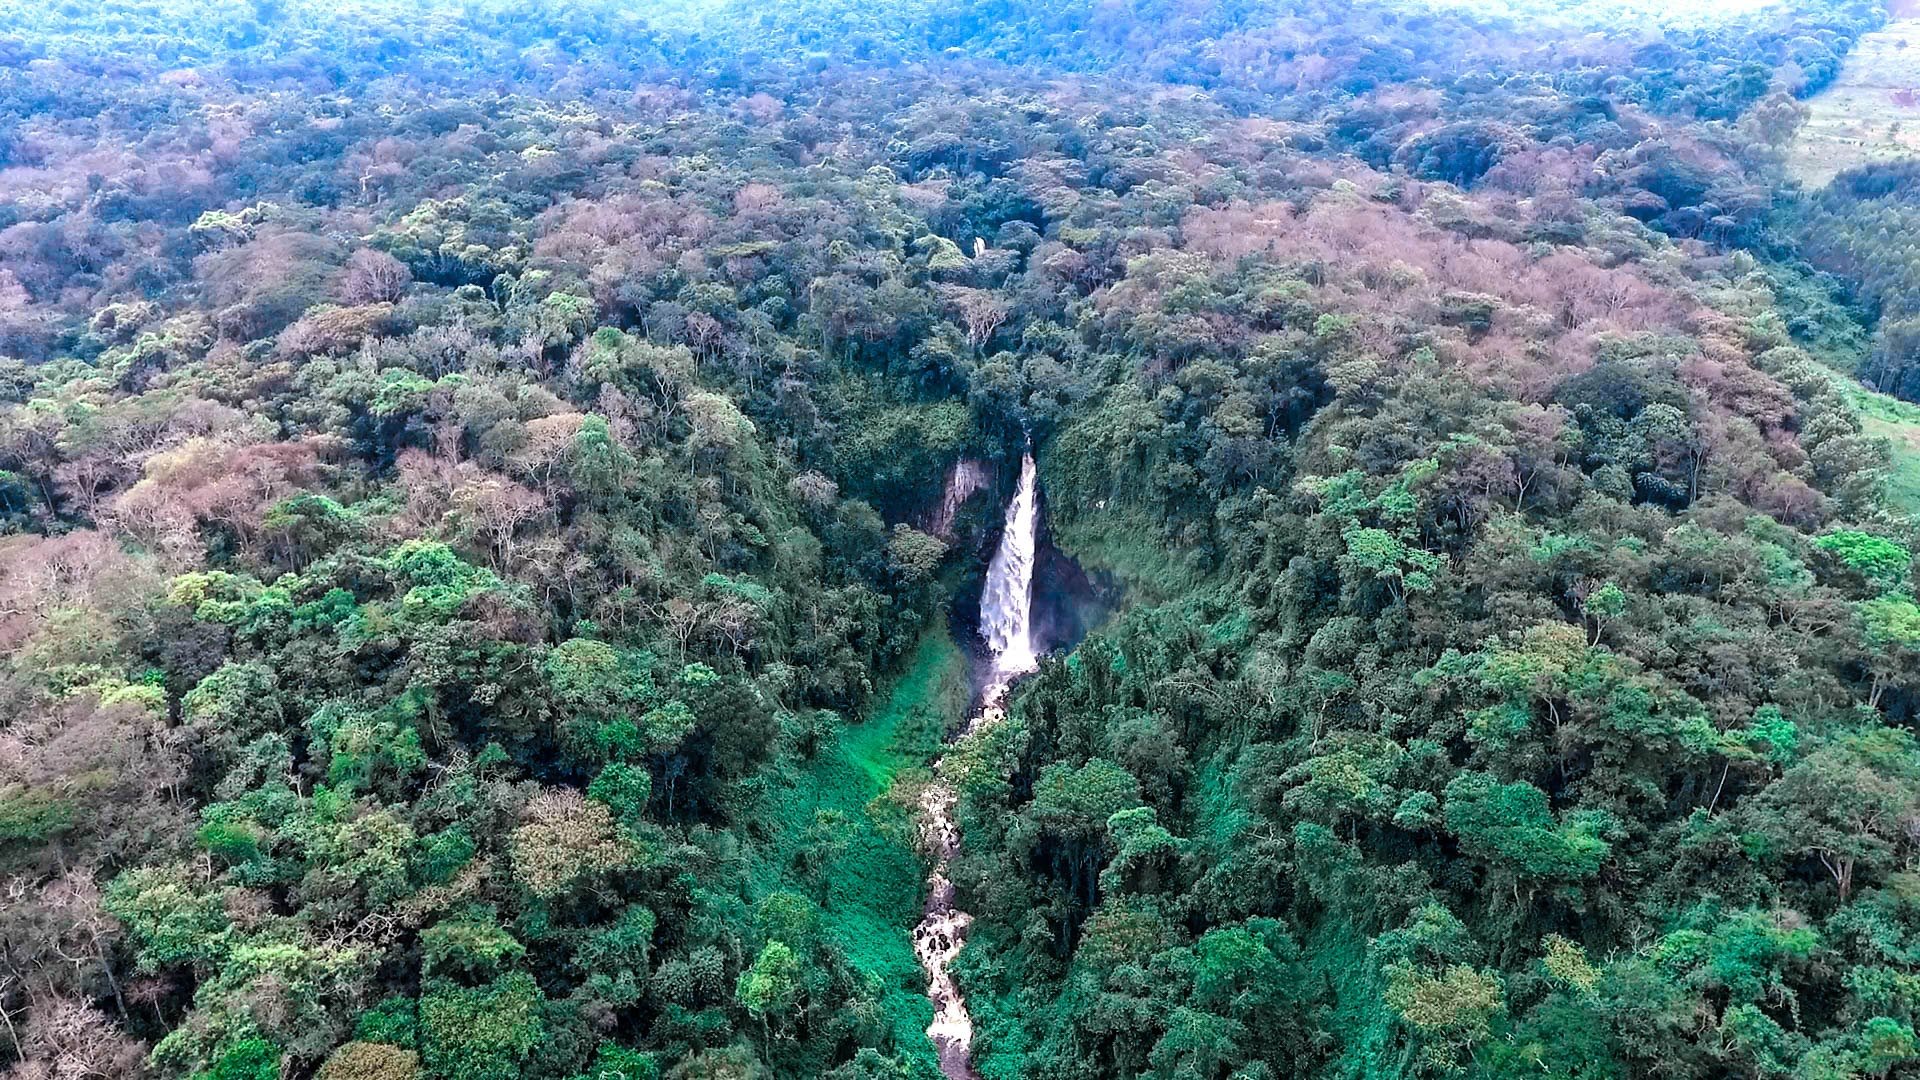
(1872, 111)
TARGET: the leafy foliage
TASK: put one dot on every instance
(475, 595)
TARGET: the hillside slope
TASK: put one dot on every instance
(471, 606)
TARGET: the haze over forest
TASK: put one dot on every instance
(985, 539)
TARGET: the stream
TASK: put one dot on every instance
(1006, 622)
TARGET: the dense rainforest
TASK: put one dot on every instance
(482, 586)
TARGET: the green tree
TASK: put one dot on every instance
(1842, 806)
(480, 1033)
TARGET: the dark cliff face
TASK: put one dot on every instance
(1068, 602)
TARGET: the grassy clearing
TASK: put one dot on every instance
(1871, 112)
(874, 883)
(1837, 336)
(1883, 416)
(1898, 422)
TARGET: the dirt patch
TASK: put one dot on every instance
(1867, 115)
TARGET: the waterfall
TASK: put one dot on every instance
(1006, 604)
(1006, 622)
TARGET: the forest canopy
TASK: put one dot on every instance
(479, 597)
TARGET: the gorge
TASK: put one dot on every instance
(523, 555)
(1006, 624)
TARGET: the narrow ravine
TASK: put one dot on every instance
(1006, 622)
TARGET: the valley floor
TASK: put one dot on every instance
(875, 880)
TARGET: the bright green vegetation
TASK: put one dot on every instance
(1839, 338)
(1898, 422)
(469, 606)
(843, 820)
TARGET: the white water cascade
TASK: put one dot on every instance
(1006, 604)
(1006, 622)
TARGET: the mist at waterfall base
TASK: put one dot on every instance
(1067, 604)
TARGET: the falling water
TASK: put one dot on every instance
(1006, 622)
(1006, 604)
